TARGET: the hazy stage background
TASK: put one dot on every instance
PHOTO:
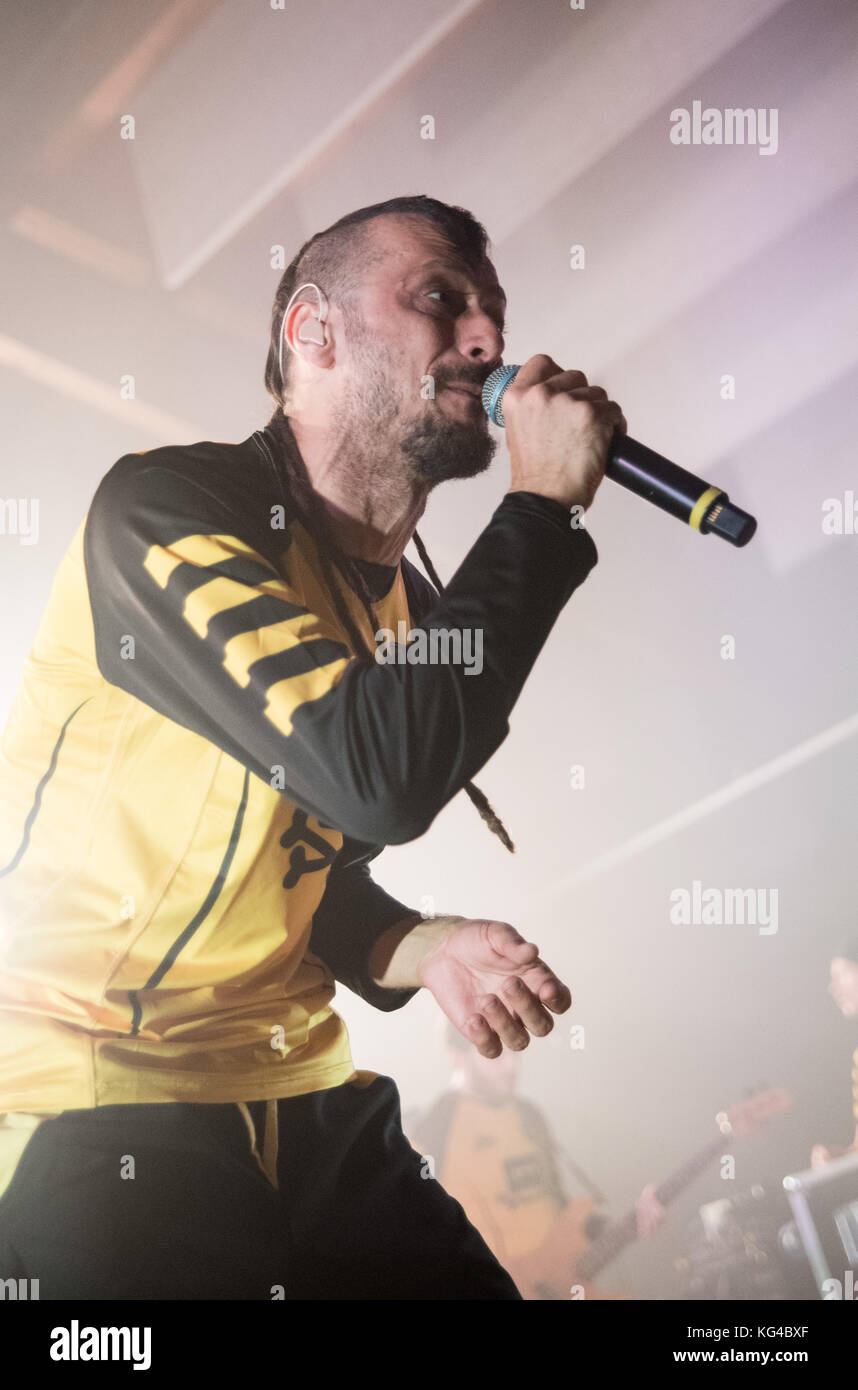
(152, 257)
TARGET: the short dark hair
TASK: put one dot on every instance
(336, 258)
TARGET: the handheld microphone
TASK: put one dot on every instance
(704, 507)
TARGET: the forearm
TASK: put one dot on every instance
(397, 956)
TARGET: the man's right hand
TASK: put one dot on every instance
(558, 429)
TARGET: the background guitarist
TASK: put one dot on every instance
(495, 1153)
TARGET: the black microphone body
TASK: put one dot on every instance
(701, 505)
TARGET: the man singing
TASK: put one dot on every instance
(203, 757)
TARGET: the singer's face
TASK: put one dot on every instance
(426, 329)
(844, 985)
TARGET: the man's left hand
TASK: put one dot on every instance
(492, 985)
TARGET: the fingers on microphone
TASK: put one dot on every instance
(607, 411)
(569, 382)
(535, 369)
(578, 393)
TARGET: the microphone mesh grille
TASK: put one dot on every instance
(493, 392)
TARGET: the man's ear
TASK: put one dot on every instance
(308, 335)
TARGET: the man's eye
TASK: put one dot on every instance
(455, 300)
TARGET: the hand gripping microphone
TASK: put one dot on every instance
(702, 506)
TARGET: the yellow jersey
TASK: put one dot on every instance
(165, 841)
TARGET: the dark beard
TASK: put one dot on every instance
(439, 449)
(435, 447)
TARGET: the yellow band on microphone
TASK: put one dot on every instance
(702, 505)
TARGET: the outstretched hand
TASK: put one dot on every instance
(493, 986)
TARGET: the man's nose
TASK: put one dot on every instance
(478, 337)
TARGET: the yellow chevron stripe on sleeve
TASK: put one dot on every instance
(285, 696)
(247, 647)
(221, 594)
(241, 651)
(201, 551)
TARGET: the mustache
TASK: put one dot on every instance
(471, 374)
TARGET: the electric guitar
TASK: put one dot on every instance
(567, 1262)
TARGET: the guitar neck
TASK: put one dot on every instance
(624, 1231)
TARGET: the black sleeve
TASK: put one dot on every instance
(224, 646)
(354, 912)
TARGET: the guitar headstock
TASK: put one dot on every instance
(749, 1114)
